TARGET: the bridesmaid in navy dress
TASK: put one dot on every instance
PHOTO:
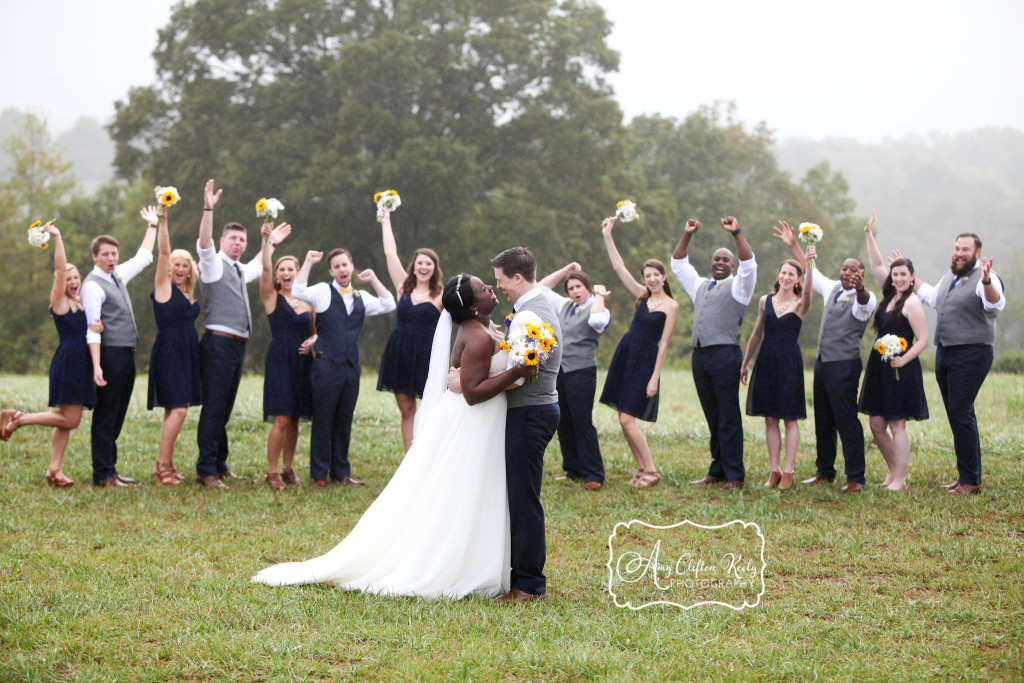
(777, 381)
(71, 386)
(890, 399)
(174, 362)
(631, 386)
(287, 392)
(403, 366)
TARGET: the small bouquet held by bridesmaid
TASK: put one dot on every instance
(626, 211)
(168, 196)
(889, 346)
(810, 233)
(531, 341)
(38, 237)
(388, 199)
(268, 208)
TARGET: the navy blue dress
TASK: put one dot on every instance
(174, 362)
(286, 384)
(625, 388)
(406, 358)
(777, 380)
(71, 367)
(881, 393)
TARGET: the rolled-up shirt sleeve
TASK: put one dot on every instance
(318, 296)
(210, 265)
(999, 305)
(599, 321)
(378, 305)
(687, 275)
(746, 281)
(928, 294)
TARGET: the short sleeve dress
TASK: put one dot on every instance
(881, 394)
(287, 389)
(625, 387)
(777, 379)
(174, 362)
(406, 358)
(71, 367)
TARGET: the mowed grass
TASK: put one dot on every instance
(152, 583)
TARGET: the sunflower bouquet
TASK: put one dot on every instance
(889, 346)
(810, 233)
(268, 208)
(626, 211)
(387, 199)
(531, 341)
(38, 237)
(167, 196)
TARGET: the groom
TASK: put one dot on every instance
(530, 423)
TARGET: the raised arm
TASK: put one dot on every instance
(162, 279)
(743, 250)
(874, 255)
(268, 295)
(58, 302)
(554, 278)
(755, 340)
(210, 199)
(395, 270)
(311, 257)
(806, 294)
(788, 236)
(634, 287)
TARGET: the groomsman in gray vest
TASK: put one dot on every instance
(340, 312)
(105, 299)
(837, 367)
(228, 324)
(718, 307)
(968, 298)
(531, 421)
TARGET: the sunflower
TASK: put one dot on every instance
(35, 225)
(903, 344)
(504, 347)
(261, 205)
(532, 331)
(880, 348)
(545, 345)
(531, 357)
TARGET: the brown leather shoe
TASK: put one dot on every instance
(965, 490)
(125, 480)
(319, 483)
(212, 481)
(951, 486)
(816, 479)
(730, 485)
(111, 481)
(347, 480)
(851, 487)
(516, 595)
(592, 485)
(707, 480)
(288, 475)
(274, 481)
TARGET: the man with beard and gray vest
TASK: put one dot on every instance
(340, 312)
(228, 325)
(837, 367)
(105, 299)
(967, 299)
(719, 303)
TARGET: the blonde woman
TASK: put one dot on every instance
(174, 362)
(71, 386)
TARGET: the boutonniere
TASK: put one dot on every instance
(845, 300)
(508, 320)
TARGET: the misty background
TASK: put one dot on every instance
(665, 127)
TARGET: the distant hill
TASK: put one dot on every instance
(86, 145)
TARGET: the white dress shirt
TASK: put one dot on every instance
(597, 321)
(93, 295)
(929, 294)
(319, 297)
(823, 286)
(742, 289)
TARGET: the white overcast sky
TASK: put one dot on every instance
(808, 68)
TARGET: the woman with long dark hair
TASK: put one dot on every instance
(634, 375)
(893, 391)
(406, 357)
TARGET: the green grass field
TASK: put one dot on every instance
(152, 583)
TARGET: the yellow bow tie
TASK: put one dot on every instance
(344, 290)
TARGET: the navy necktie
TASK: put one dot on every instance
(839, 293)
(237, 269)
(953, 284)
(714, 283)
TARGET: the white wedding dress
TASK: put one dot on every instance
(440, 528)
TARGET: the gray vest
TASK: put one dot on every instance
(225, 300)
(840, 333)
(717, 317)
(962, 318)
(579, 340)
(116, 314)
(543, 390)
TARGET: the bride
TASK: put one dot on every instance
(440, 527)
